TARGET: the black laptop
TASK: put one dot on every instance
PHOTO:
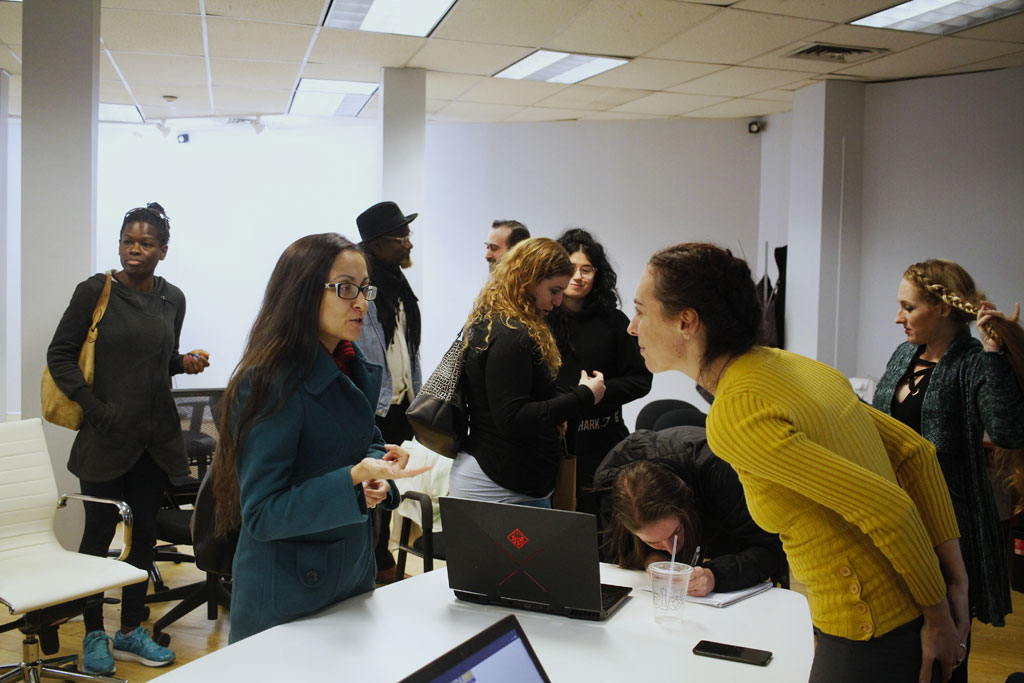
(526, 557)
(500, 652)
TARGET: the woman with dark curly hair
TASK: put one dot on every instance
(591, 334)
(514, 445)
(856, 496)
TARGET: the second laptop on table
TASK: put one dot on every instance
(526, 557)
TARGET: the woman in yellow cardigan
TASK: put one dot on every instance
(857, 497)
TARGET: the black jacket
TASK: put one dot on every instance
(129, 409)
(739, 552)
(515, 410)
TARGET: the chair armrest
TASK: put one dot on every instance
(426, 509)
(122, 507)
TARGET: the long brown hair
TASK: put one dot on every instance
(505, 296)
(281, 350)
(943, 281)
(645, 492)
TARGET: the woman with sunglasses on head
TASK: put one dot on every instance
(591, 334)
(300, 461)
(514, 447)
(857, 497)
(952, 389)
(130, 440)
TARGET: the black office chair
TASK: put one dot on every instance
(668, 412)
(429, 546)
(196, 409)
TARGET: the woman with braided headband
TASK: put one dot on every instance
(952, 388)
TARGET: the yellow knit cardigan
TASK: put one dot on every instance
(857, 497)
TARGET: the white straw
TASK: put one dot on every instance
(675, 538)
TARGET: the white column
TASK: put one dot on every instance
(402, 129)
(59, 104)
(5, 94)
(825, 187)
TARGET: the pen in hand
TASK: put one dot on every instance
(696, 556)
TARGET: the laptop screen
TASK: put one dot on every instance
(498, 654)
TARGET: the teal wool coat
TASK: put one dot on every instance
(305, 541)
(970, 392)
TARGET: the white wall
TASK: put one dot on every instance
(637, 186)
(773, 213)
(12, 273)
(943, 177)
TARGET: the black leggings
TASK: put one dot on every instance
(142, 487)
(895, 656)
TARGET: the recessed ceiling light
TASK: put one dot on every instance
(120, 113)
(319, 97)
(404, 17)
(941, 17)
(559, 67)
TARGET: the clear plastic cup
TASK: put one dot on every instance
(669, 583)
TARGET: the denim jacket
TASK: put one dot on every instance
(371, 342)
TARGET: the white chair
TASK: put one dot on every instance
(40, 580)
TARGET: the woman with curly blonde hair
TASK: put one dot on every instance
(952, 388)
(516, 413)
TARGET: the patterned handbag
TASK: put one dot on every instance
(439, 415)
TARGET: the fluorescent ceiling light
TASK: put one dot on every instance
(121, 113)
(941, 17)
(318, 97)
(559, 67)
(404, 17)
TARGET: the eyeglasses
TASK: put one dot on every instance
(587, 272)
(405, 239)
(350, 290)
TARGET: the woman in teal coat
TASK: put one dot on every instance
(301, 460)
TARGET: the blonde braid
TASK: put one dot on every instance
(951, 298)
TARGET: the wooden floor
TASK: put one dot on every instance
(996, 651)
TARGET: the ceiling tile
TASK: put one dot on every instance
(113, 92)
(546, 114)
(252, 74)
(291, 12)
(738, 81)
(773, 95)
(939, 55)
(107, 71)
(617, 116)
(14, 105)
(1010, 29)
(434, 105)
(165, 69)
(243, 39)
(169, 34)
(335, 46)
(249, 101)
(156, 112)
(669, 104)
(732, 36)
(166, 6)
(370, 109)
(1005, 62)
(445, 86)
(840, 11)
(740, 108)
(189, 97)
(628, 29)
(848, 36)
(525, 23)
(505, 91)
(466, 58)
(7, 61)
(362, 73)
(590, 97)
(10, 23)
(472, 111)
(652, 74)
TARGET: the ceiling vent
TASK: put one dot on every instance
(836, 54)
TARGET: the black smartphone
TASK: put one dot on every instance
(734, 653)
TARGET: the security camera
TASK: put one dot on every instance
(755, 127)
(183, 138)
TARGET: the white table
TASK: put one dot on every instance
(388, 634)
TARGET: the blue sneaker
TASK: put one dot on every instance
(137, 646)
(96, 657)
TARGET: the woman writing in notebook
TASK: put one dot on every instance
(857, 497)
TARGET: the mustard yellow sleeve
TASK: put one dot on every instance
(917, 469)
(754, 435)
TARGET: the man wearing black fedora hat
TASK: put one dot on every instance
(391, 338)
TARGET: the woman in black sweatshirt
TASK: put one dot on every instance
(130, 440)
(591, 334)
(516, 413)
